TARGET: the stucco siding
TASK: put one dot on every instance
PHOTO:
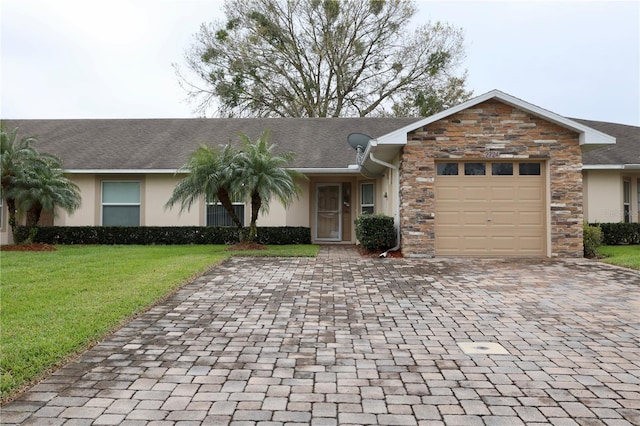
(604, 197)
(158, 190)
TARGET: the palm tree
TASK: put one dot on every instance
(262, 175)
(33, 181)
(212, 175)
(45, 189)
(19, 162)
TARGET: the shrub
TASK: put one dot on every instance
(592, 240)
(616, 234)
(148, 235)
(375, 231)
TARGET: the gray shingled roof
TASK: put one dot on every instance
(317, 142)
(625, 151)
(167, 143)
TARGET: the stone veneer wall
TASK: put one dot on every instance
(506, 132)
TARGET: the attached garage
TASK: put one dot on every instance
(490, 208)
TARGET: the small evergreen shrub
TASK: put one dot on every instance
(375, 231)
(592, 240)
(148, 235)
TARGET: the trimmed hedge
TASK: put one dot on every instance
(616, 234)
(375, 231)
(148, 235)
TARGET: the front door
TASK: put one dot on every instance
(328, 212)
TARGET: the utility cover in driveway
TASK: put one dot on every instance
(482, 348)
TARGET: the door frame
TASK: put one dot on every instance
(339, 236)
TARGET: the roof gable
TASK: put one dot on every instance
(588, 135)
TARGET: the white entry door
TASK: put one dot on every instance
(328, 212)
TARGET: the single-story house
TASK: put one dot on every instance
(493, 176)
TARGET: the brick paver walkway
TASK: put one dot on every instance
(346, 340)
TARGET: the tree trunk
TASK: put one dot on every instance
(256, 203)
(223, 196)
(33, 215)
(11, 207)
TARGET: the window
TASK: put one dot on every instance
(217, 215)
(447, 169)
(626, 200)
(529, 169)
(474, 169)
(121, 203)
(502, 169)
(367, 198)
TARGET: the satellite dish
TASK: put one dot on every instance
(356, 140)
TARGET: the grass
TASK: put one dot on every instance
(627, 256)
(54, 305)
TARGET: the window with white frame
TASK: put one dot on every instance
(367, 198)
(217, 215)
(121, 203)
(626, 200)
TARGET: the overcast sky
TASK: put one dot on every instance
(112, 58)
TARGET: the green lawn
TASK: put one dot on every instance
(54, 305)
(628, 256)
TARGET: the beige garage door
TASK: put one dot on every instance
(490, 208)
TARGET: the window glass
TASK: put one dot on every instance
(367, 203)
(120, 215)
(626, 200)
(121, 192)
(529, 169)
(502, 169)
(121, 203)
(474, 169)
(447, 169)
(217, 215)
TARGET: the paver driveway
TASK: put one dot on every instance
(346, 340)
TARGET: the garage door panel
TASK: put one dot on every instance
(448, 193)
(529, 194)
(506, 243)
(475, 193)
(503, 193)
(449, 218)
(477, 218)
(474, 243)
(503, 219)
(531, 219)
(490, 215)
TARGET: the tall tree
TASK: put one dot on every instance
(263, 176)
(321, 58)
(212, 174)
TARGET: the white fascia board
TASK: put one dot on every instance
(123, 171)
(611, 167)
(588, 136)
(602, 166)
(317, 170)
(352, 169)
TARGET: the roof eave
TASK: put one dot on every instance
(611, 167)
(305, 170)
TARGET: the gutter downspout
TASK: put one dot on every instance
(397, 191)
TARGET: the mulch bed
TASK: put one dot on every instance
(246, 246)
(376, 253)
(28, 247)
